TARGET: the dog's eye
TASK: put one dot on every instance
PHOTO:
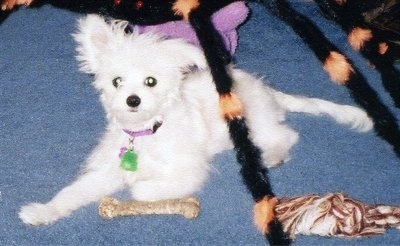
(150, 81)
(117, 82)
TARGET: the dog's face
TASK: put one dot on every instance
(138, 75)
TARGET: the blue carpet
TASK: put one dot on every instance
(50, 119)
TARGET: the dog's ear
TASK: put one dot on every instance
(94, 37)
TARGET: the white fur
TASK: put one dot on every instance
(175, 161)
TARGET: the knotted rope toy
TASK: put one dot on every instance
(334, 214)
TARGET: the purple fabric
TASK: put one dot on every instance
(226, 20)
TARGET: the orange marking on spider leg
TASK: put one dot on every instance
(264, 213)
(231, 106)
(358, 36)
(184, 7)
(338, 68)
(10, 4)
(383, 48)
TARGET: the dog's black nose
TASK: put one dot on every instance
(133, 101)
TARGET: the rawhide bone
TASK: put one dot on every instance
(187, 207)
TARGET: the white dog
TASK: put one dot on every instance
(163, 119)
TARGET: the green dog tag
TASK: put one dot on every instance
(129, 161)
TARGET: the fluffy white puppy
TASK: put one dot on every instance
(163, 119)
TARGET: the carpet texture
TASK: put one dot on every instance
(50, 119)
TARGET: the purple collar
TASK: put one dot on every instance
(145, 132)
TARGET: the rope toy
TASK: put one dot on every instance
(335, 214)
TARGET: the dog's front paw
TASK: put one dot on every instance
(38, 214)
(275, 158)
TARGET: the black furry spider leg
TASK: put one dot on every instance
(389, 73)
(103, 7)
(367, 40)
(341, 70)
(248, 155)
(255, 176)
(3, 16)
(78, 6)
(152, 12)
(214, 49)
(385, 124)
(301, 25)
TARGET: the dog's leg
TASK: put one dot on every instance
(265, 117)
(275, 140)
(173, 183)
(90, 187)
(274, 137)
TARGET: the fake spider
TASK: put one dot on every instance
(374, 44)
